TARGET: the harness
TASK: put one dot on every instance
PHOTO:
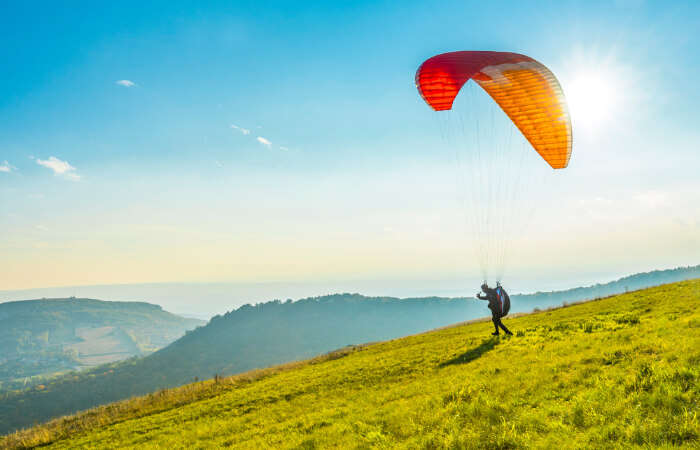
(501, 300)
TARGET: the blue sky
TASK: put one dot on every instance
(339, 176)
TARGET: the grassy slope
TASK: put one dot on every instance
(619, 371)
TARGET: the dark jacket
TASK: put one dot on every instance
(492, 298)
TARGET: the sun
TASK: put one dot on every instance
(592, 100)
(600, 90)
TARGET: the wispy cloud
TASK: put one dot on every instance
(59, 167)
(6, 167)
(264, 141)
(125, 83)
(652, 199)
(242, 130)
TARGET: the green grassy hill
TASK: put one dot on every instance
(617, 372)
(41, 337)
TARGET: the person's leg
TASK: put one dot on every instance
(503, 326)
(495, 324)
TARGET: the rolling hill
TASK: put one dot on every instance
(247, 338)
(43, 337)
(617, 372)
(257, 336)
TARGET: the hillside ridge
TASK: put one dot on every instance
(58, 301)
(267, 334)
(41, 338)
(572, 373)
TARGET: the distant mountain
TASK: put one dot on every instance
(275, 332)
(527, 302)
(43, 337)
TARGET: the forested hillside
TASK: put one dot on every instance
(619, 372)
(42, 337)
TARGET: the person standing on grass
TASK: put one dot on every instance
(499, 304)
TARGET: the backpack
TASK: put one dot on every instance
(503, 300)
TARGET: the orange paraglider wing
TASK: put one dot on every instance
(525, 90)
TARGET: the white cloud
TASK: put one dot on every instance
(59, 167)
(260, 139)
(595, 201)
(651, 199)
(125, 83)
(242, 130)
(6, 167)
(264, 141)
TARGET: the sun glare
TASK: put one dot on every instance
(601, 90)
(591, 100)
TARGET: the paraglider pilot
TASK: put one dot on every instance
(499, 304)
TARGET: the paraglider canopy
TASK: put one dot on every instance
(524, 89)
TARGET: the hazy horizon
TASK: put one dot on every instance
(204, 300)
